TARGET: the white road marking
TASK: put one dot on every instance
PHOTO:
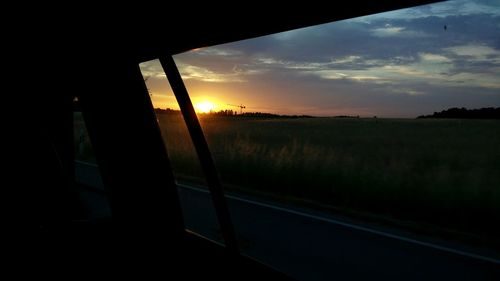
(362, 228)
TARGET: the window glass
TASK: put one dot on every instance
(384, 124)
(81, 140)
(87, 176)
(198, 210)
(388, 118)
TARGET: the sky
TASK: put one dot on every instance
(398, 64)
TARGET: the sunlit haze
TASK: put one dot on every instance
(403, 63)
(204, 107)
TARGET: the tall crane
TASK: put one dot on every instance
(241, 106)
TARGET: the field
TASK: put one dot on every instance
(435, 172)
(432, 173)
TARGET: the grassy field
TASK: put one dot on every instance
(438, 172)
(428, 172)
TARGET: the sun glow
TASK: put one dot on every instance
(204, 107)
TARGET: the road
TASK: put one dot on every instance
(312, 246)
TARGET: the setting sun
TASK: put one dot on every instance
(204, 107)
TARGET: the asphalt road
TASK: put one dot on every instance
(312, 247)
(315, 246)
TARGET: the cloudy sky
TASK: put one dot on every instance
(397, 64)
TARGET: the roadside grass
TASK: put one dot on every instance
(441, 173)
(438, 177)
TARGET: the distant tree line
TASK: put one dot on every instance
(270, 115)
(167, 111)
(226, 112)
(229, 113)
(463, 113)
(346, 116)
